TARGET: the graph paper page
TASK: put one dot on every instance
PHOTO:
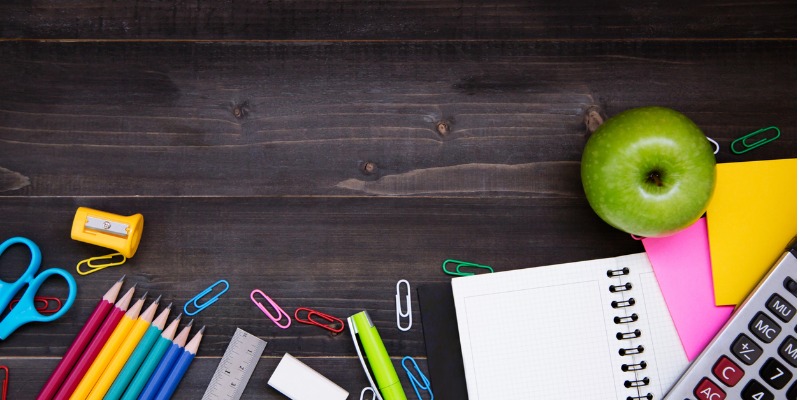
(549, 332)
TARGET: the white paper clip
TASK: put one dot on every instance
(400, 313)
(714, 142)
(364, 392)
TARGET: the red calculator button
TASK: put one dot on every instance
(728, 372)
(708, 390)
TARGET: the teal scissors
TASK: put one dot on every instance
(25, 311)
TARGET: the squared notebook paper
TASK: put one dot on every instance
(683, 269)
(552, 332)
(752, 215)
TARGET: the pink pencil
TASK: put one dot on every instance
(81, 341)
(94, 347)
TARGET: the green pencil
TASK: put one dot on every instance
(150, 362)
(137, 357)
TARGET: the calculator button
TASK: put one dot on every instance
(746, 350)
(791, 394)
(728, 372)
(775, 373)
(781, 308)
(764, 328)
(708, 390)
(790, 285)
(756, 391)
(788, 350)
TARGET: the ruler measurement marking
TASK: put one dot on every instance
(236, 367)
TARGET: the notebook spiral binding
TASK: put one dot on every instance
(636, 333)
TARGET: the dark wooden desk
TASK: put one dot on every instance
(320, 152)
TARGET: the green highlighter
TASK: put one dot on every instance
(388, 383)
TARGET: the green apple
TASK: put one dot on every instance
(648, 171)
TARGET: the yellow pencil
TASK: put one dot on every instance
(125, 350)
(111, 346)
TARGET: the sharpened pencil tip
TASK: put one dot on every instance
(158, 299)
(122, 279)
(144, 296)
(169, 307)
(190, 323)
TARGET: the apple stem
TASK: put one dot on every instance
(655, 177)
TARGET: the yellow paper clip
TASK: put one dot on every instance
(112, 231)
(97, 267)
(760, 142)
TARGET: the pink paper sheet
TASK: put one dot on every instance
(682, 264)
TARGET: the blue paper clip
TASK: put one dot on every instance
(201, 307)
(760, 142)
(424, 385)
(459, 265)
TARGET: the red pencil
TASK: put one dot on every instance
(94, 347)
(79, 344)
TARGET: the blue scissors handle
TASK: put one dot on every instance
(9, 289)
(25, 311)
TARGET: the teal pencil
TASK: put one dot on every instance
(151, 361)
(137, 357)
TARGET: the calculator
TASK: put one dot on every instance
(754, 356)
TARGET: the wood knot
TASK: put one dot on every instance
(238, 111)
(443, 128)
(368, 168)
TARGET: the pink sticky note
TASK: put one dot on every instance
(682, 264)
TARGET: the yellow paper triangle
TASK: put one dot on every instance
(751, 219)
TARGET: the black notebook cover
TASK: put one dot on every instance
(445, 365)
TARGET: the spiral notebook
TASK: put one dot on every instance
(596, 329)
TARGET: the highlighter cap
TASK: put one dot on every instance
(380, 364)
(108, 230)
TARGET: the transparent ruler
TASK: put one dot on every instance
(235, 368)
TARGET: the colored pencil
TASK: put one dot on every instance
(98, 341)
(137, 357)
(83, 338)
(162, 370)
(104, 357)
(124, 352)
(151, 362)
(179, 369)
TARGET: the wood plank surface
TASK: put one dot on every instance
(241, 119)
(320, 151)
(395, 19)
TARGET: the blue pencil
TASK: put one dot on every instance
(180, 367)
(162, 370)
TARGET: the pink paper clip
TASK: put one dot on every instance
(334, 324)
(277, 308)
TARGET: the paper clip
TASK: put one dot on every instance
(714, 142)
(3, 382)
(96, 267)
(399, 308)
(459, 264)
(42, 304)
(750, 146)
(331, 326)
(280, 311)
(364, 391)
(424, 385)
(201, 307)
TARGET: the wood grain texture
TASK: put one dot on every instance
(394, 19)
(270, 119)
(320, 151)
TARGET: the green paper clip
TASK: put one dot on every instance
(750, 146)
(459, 264)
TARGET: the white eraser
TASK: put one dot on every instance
(298, 381)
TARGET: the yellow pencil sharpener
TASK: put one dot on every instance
(108, 230)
